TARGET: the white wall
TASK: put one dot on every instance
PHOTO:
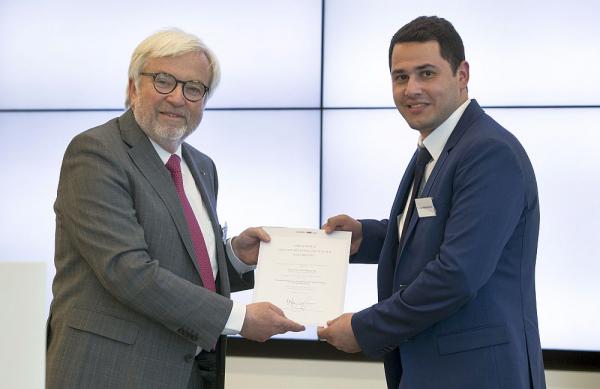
(22, 325)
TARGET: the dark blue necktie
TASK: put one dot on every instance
(423, 159)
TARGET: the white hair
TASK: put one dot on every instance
(170, 42)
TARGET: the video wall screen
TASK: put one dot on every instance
(520, 52)
(72, 54)
(303, 126)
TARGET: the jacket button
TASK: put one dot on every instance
(188, 358)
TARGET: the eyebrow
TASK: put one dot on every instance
(171, 74)
(418, 68)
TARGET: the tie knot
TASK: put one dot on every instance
(174, 164)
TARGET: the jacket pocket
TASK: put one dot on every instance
(472, 339)
(104, 325)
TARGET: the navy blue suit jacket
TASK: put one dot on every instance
(457, 304)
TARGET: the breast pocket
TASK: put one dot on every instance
(104, 325)
(429, 230)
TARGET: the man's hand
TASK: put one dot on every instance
(245, 245)
(263, 320)
(346, 223)
(339, 334)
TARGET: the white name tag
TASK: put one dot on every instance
(425, 207)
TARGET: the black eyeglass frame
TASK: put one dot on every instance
(183, 84)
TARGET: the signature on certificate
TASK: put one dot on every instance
(300, 304)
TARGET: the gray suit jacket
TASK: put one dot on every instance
(129, 309)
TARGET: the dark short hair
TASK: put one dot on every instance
(432, 28)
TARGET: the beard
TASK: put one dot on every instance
(147, 116)
(170, 133)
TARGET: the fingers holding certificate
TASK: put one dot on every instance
(263, 320)
(303, 272)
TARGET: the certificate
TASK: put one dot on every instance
(303, 272)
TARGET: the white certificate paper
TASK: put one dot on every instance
(303, 272)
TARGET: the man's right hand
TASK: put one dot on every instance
(263, 320)
(346, 223)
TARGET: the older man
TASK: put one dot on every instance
(141, 292)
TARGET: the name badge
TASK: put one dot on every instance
(425, 207)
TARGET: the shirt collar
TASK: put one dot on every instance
(437, 139)
(164, 154)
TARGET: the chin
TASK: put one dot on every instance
(415, 126)
(172, 134)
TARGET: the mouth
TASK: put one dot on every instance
(416, 105)
(172, 115)
(415, 108)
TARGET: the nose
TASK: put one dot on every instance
(413, 87)
(176, 96)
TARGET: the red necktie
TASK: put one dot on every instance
(206, 274)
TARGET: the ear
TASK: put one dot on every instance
(463, 74)
(132, 92)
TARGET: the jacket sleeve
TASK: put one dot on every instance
(373, 236)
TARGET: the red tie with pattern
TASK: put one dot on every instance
(174, 166)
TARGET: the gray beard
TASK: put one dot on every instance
(171, 134)
(159, 132)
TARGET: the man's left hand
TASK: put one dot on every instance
(339, 334)
(246, 245)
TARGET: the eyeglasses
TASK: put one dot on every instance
(165, 83)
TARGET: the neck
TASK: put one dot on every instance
(464, 97)
(166, 144)
(425, 133)
(170, 146)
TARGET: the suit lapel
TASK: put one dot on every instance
(389, 252)
(471, 114)
(150, 165)
(202, 182)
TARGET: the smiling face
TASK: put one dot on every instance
(169, 118)
(426, 90)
